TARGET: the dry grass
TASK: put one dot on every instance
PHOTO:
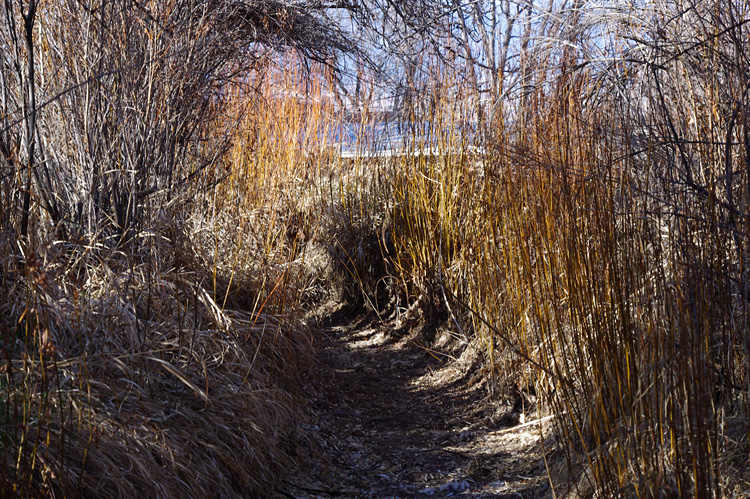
(598, 254)
(124, 380)
(595, 247)
(151, 335)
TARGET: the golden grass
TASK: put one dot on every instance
(585, 275)
(567, 247)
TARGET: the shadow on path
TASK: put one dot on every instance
(396, 419)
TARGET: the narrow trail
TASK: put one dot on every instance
(396, 419)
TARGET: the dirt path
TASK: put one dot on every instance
(398, 420)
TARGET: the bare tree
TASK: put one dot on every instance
(117, 97)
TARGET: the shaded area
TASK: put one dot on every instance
(396, 418)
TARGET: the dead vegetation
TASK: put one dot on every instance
(150, 335)
(171, 209)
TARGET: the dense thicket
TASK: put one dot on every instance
(125, 369)
(595, 241)
(574, 197)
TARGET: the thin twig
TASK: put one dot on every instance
(527, 424)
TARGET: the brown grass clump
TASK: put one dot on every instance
(134, 379)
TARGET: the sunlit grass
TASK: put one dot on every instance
(561, 241)
(568, 262)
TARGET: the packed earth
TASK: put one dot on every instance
(396, 416)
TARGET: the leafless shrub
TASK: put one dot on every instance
(118, 338)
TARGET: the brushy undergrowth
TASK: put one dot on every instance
(598, 252)
(151, 335)
(127, 377)
(592, 237)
